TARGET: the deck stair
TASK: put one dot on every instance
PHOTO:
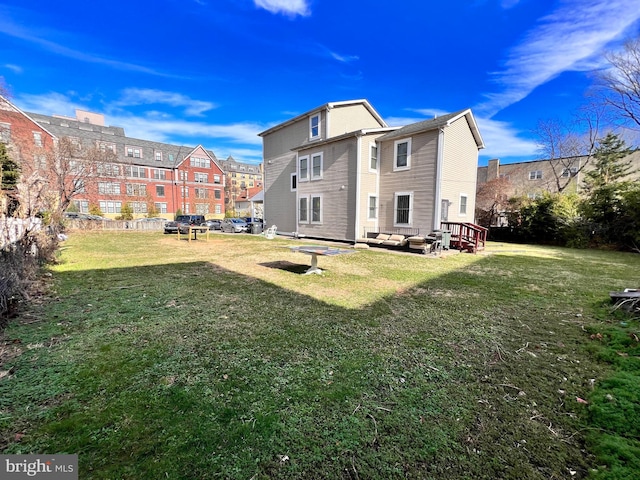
(466, 236)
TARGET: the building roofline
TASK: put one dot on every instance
(327, 106)
(27, 116)
(355, 133)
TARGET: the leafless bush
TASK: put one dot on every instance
(20, 264)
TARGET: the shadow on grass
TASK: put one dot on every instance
(195, 371)
(286, 266)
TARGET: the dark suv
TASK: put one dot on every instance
(183, 222)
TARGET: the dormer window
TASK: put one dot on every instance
(314, 126)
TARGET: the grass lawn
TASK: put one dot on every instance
(157, 358)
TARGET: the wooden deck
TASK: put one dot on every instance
(466, 236)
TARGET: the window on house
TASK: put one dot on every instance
(82, 205)
(136, 189)
(161, 207)
(108, 170)
(108, 188)
(569, 172)
(373, 165)
(159, 190)
(218, 208)
(136, 172)
(37, 139)
(183, 175)
(79, 186)
(402, 155)
(217, 194)
(303, 169)
(171, 157)
(110, 207)
(303, 210)
(184, 192)
(158, 156)
(159, 174)
(402, 208)
(134, 152)
(314, 126)
(139, 207)
(316, 209)
(216, 178)
(202, 208)
(40, 161)
(463, 204)
(200, 177)
(294, 182)
(201, 193)
(373, 207)
(316, 167)
(200, 162)
(535, 175)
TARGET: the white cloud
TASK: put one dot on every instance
(13, 29)
(287, 7)
(13, 68)
(502, 140)
(237, 139)
(570, 38)
(147, 96)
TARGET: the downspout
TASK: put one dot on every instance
(437, 210)
(358, 181)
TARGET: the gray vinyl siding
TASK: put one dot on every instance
(338, 204)
(460, 169)
(419, 179)
(368, 184)
(279, 200)
(279, 163)
(345, 119)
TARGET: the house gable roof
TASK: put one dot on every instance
(327, 106)
(7, 105)
(436, 124)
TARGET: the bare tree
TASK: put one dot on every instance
(50, 181)
(619, 84)
(569, 147)
(492, 199)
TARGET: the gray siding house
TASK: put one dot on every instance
(338, 171)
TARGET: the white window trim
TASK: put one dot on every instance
(311, 220)
(306, 177)
(293, 175)
(311, 175)
(395, 154)
(466, 205)
(395, 209)
(306, 220)
(373, 145)
(369, 197)
(311, 136)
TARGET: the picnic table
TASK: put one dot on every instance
(193, 230)
(314, 251)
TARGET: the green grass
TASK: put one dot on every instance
(155, 358)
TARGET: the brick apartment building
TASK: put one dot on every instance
(146, 175)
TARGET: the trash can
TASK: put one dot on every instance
(256, 228)
(446, 239)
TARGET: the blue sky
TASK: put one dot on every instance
(217, 72)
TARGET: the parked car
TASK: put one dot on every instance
(183, 222)
(213, 224)
(234, 225)
(152, 219)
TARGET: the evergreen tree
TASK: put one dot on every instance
(605, 188)
(9, 170)
(609, 164)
